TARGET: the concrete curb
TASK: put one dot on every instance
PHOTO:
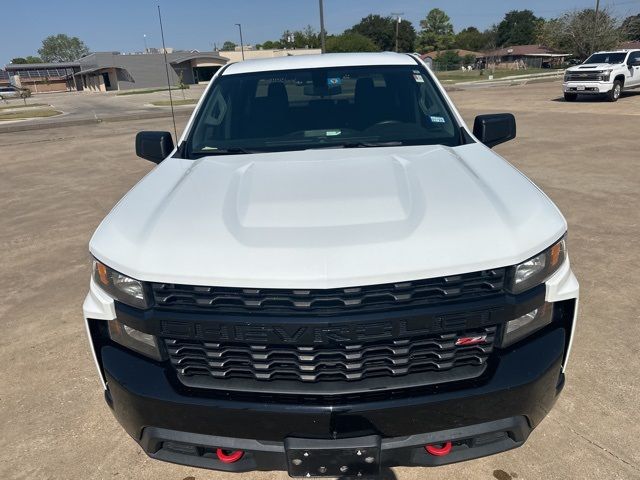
(26, 125)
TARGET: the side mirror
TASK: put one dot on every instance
(495, 128)
(154, 146)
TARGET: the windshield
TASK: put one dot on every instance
(606, 58)
(321, 108)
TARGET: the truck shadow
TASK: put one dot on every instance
(385, 474)
(597, 98)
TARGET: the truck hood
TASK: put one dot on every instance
(327, 218)
(590, 67)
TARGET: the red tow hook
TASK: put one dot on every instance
(439, 451)
(229, 457)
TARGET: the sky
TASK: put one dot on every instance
(120, 25)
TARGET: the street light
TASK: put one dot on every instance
(399, 19)
(144, 35)
(241, 43)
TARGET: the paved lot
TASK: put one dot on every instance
(57, 184)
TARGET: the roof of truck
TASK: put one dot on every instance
(319, 61)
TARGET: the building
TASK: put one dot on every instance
(107, 71)
(44, 77)
(4, 78)
(524, 56)
(461, 53)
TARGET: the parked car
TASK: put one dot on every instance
(603, 73)
(330, 273)
(10, 92)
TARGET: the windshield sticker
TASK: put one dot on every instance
(333, 133)
(334, 82)
(437, 119)
(418, 78)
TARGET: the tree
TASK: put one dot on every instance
(19, 60)
(519, 27)
(473, 39)
(62, 48)
(448, 60)
(228, 45)
(574, 32)
(350, 42)
(33, 59)
(436, 33)
(270, 45)
(630, 28)
(305, 38)
(382, 31)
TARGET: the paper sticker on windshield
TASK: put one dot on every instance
(333, 133)
(437, 119)
(418, 78)
(334, 82)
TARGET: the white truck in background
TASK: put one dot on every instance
(607, 73)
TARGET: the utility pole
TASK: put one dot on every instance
(595, 28)
(322, 32)
(399, 19)
(241, 43)
(146, 49)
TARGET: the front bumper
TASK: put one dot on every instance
(481, 419)
(586, 88)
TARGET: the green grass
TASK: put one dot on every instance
(39, 113)
(166, 103)
(140, 92)
(22, 105)
(460, 76)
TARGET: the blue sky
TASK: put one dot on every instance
(119, 25)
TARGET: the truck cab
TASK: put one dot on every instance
(603, 73)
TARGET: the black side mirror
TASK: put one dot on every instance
(154, 146)
(495, 128)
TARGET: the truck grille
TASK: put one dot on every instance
(584, 77)
(354, 362)
(469, 286)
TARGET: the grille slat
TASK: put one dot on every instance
(337, 363)
(463, 287)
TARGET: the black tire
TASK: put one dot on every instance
(570, 97)
(614, 94)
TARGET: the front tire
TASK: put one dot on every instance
(614, 94)
(570, 97)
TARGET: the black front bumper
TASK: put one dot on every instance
(482, 418)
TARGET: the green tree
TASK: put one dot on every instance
(62, 48)
(33, 59)
(436, 33)
(270, 45)
(19, 60)
(574, 32)
(448, 60)
(473, 39)
(228, 45)
(350, 42)
(382, 31)
(630, 28)
(519, 27)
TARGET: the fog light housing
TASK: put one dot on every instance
(518, 328)
(138, 341)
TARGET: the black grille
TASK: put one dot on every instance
(342, 363)
(584, 77)
(469, 286)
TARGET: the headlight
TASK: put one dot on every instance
(566, 76)
(525, 325)
(120, 287)
(136, 340)
(537, 269)
(605, 75)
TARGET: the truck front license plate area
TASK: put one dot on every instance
(353, 457)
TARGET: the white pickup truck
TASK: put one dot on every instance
(603, 73)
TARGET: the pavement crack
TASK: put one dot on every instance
(597, 445)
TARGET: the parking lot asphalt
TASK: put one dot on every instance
(57, 184)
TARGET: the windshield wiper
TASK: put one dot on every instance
(358, 145)
(222, 151)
